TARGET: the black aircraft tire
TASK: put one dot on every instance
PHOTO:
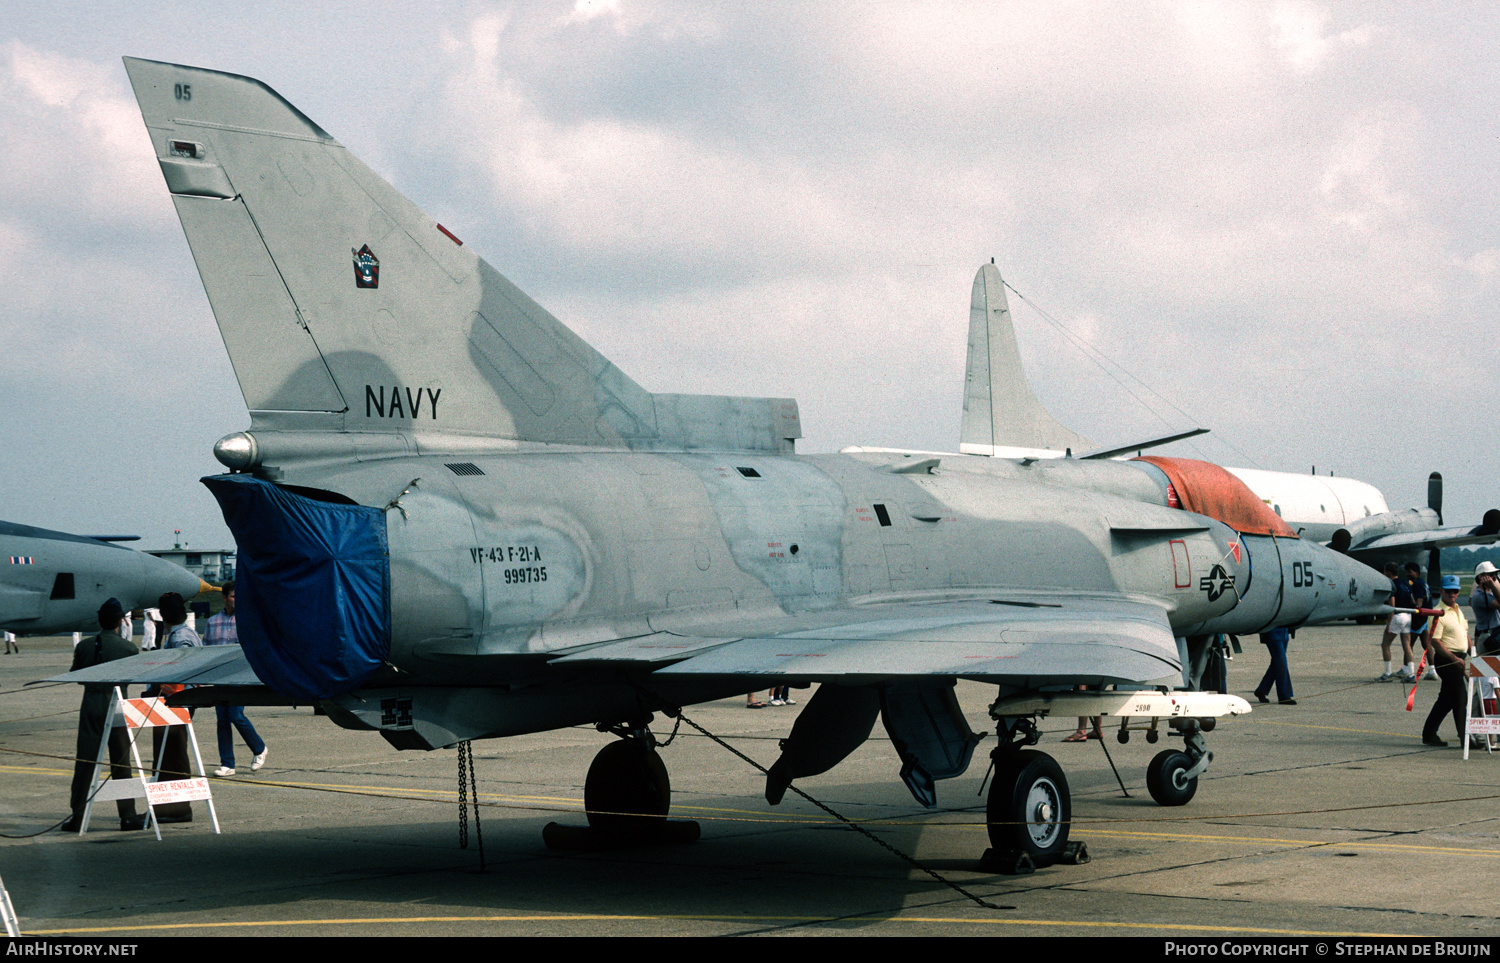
(1029, 806)
(1164, 778)
(627, 790)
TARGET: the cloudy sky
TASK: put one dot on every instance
(1277, 220)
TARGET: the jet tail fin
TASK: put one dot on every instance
(345, 308)
(1000, 410)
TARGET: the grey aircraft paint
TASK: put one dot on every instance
(55, 582)
(565, 547)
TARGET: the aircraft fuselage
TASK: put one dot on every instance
(55, 582)
(494, 559)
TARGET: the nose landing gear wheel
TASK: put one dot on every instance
(1029, 806)
(1166, 779)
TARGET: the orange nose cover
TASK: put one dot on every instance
(1207, 489)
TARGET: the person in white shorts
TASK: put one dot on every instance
(1399, 625)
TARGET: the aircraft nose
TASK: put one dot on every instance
(1351, 588)
(160, 577)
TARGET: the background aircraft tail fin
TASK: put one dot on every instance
(346, 308)
(1000, 409)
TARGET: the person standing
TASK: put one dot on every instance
(1450, 646)
(169, 744)
(150, 618)
(107, 646)
(1485, 601)
(1411, 593)
(221, 630)
(1275, 642)
(1421, 629)
(1399, 625)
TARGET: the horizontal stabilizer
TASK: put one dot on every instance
(1114, 450)
(1378, 537)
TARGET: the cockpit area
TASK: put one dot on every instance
(1205, 488)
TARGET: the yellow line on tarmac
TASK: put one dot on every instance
(450, 795)
(1366, 732)
(1194, 838)
(739, 920)
(36, 769)
(1362, 844)
(572, 803)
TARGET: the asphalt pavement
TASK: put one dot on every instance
(1327, 818)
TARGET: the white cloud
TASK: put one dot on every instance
(664, 191)
(75, 139)
(1484, 264)
(1356, 183)
(585, 10)
(1300, 35)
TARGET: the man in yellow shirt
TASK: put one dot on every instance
(1450, 646)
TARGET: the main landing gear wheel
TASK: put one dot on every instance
(1029, 806)
(627, 791)
(626, 796)
(1166, 778)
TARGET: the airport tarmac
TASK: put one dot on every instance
(1329, 817)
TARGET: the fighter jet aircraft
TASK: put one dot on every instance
(55, 582)
(1003, 417)
(457, 520)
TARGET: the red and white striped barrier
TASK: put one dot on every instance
(1485, 667)
(149, 713)
(1483, 671)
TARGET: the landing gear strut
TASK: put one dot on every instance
(1030, 809)
(626, 796)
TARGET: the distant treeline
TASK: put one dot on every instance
(1463, 559)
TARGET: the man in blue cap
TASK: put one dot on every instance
(107, 646)
(1450, 647)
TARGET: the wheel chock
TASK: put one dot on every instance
(1007, 862)
(589, 839)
